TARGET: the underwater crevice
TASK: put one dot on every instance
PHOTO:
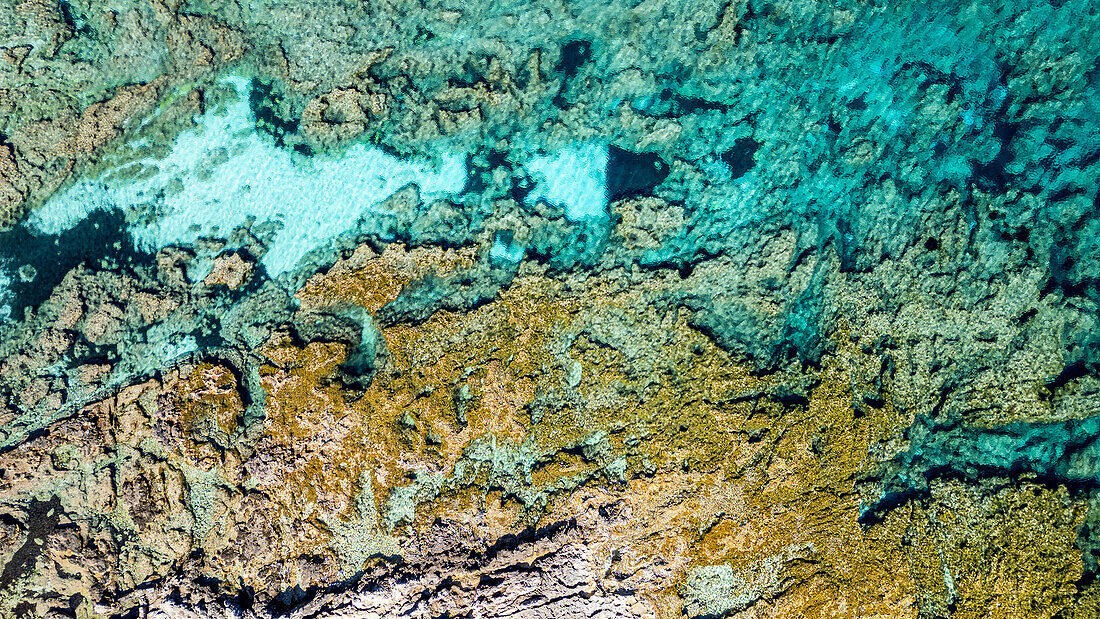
(42, 519)
(265, 100)
(574, 54)
(741, 157)
(38, 263)
(632, 174)
(1057, 453)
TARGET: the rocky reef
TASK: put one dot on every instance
(653, 309)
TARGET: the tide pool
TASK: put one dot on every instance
(574, 179)
(223, 175)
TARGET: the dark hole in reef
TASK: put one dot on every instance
(504, 237)
(1065, 193)
(290, 599)
(42, 519)
(74, 20)
(1069, 373)
(1090, 158)
(265, 101)
(741, 158)
(672, 105)
(857, 104)
(423, 35)
(1063, 274)
(1092, 76)
(573, 55)
(474, 182)
(630, 173)
(994, 176)
(953, 92)
(477, 167)
(36, 263)
(246, 597)
(932, 243)
(1019, 234)
(521, 187)
(472, 73)
(690, 105)
(495, 159)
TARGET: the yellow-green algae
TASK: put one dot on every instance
(723, 466)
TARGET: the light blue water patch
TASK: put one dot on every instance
(165, 347)
(219, 176)
(504, 250)
(5, 296)
(574, 179)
